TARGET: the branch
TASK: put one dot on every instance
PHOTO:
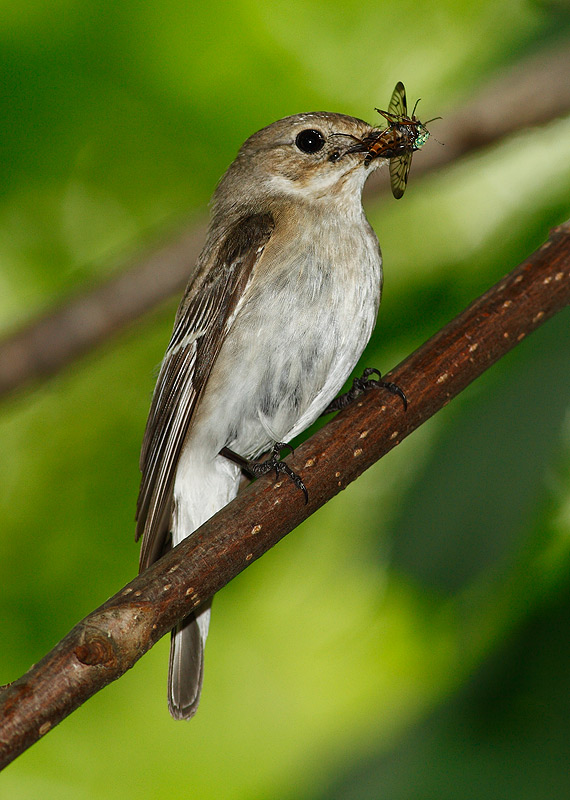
(533, 92)
(52, 341)
(111, 639)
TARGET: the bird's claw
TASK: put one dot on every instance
(363, 384)
(258, 468)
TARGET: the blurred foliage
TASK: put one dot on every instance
(411, 639)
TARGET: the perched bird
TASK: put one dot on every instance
(282, 303)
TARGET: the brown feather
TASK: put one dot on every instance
(203, 319)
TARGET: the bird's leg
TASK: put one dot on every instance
(360, 385)
(258, 468)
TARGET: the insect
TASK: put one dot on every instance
(399, 140)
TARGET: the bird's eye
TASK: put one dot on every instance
(310, 141)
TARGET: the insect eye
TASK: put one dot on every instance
(310, 141)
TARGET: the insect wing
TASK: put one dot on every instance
(398, 106)
(399, 171)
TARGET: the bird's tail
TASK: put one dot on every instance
(202, 488)
(186, 665)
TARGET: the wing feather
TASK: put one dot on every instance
(202, 322)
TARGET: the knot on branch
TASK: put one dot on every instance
(96, 650)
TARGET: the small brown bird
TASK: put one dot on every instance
(283, 301)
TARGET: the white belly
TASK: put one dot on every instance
(292, 346)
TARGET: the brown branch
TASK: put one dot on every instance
(47, 344)
(111, 639)
(533, 92)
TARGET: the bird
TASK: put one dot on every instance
(281, 305)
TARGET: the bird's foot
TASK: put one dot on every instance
(258, 468)
(363, 384)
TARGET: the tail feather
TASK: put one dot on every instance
(186, 665)
(203, 486)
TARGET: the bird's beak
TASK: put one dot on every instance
(370, 144)
(364, 144)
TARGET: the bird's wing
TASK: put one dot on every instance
(201, 325)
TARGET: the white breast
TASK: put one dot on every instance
(296, 338)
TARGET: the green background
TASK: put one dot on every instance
(411, 639)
